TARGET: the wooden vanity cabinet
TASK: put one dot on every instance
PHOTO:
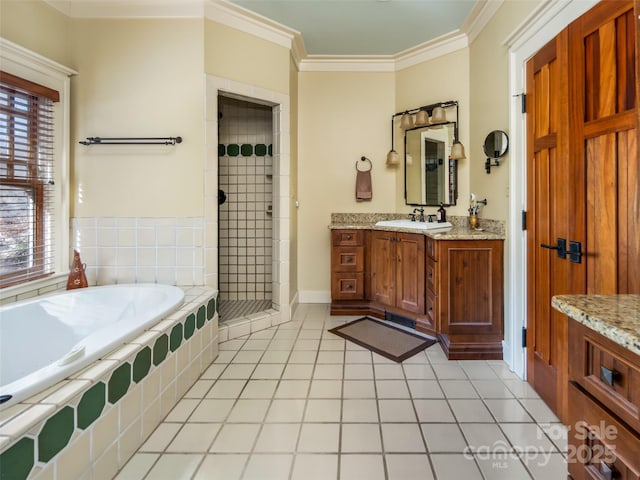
(397, 270)
(466, 288)
(604, 407)
(452, 289)
(347, 264)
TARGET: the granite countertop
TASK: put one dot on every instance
(616, 317)
(491, 229)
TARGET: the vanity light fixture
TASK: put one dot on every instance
(422, 118)
(406, 122)
(438, 115)
(392, 157)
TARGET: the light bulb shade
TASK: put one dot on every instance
(422, 118)
(392, 158)
(438, 115)
(457, 151)
(406, 121)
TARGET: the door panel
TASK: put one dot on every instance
(548, 174)
(383, 267)
(410, 272)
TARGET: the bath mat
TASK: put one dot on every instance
(386, 340)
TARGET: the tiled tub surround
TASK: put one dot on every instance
(245, 155)
(460, 224)
(141, 250)
(88, 425)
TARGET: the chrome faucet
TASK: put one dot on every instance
(420, 211)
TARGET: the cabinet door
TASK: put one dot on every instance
(410, 290)
(383, 267)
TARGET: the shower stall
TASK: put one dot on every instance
(245, 207)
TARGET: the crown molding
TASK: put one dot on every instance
(235, 16)
(247, 21)
(479, 16)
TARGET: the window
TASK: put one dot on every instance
(26, 180)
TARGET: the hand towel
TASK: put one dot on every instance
(363, 185)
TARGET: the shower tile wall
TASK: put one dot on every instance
(245, 219)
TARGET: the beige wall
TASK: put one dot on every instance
(240, 56)
(138, 78)
(490, 104)
(342, 116)
(293, 185)
(443, 78)
(38, 27)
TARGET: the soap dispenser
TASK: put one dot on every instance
(441, 214)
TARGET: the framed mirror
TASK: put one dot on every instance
(430, 176)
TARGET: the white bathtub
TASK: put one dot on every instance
(45, 340)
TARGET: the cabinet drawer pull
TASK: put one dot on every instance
(608, 472)
(348, 259)
(348, 236)
(609, 376)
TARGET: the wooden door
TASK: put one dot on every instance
(582, 179)
(383, 267)
(603, 57)
(410, 270)
(549, 169)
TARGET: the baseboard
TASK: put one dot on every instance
(314, 296)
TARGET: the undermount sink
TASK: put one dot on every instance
(414, 225)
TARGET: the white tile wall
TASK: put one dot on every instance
(245, 219)
(128, 250)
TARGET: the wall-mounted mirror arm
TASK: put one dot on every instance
(495, 146)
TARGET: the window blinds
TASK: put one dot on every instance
(26, 180)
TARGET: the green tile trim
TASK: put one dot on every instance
(211, 308)
(55, 434)
(261, 150)
(202, 312)
(246, 150)
(160, 349)
(141, 364)
(91, 405)
(119, 382)
(17, 461)
(176, 337)
(189, 326)
(233, 149)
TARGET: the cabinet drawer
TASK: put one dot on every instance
(431, 248)
(347, 286)
(347, 259)
(607, 371)
(600, 446)
(430, 275)
(347, 237)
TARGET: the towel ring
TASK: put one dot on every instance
(363, 159)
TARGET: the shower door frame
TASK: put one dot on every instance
(279, 104)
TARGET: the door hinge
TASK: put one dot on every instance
(524, 220)
(524, 337)
(523, 101)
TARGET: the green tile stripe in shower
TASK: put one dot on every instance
(17, 462)
(245, 150)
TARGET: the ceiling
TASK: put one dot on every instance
(364, 27)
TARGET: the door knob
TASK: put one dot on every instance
(560, 246)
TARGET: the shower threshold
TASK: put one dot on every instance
(234, 309)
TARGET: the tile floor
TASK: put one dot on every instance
(295, 402)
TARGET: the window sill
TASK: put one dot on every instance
(32, 289)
